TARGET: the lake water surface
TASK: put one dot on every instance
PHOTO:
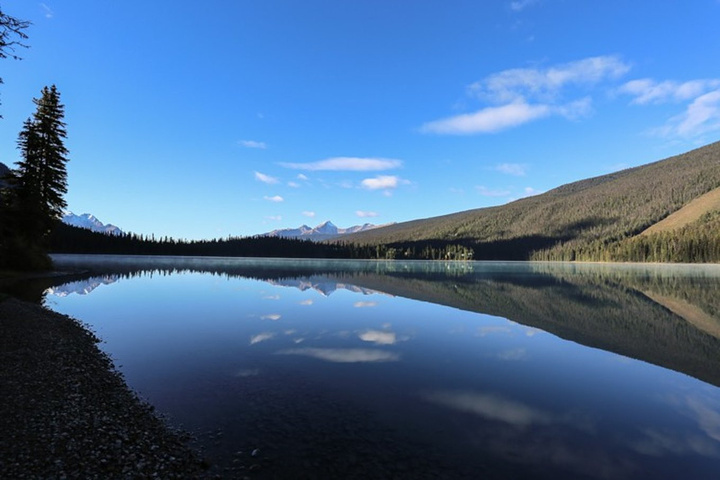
(361, 369)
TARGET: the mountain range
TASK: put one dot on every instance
(324, 231)
(90, 222)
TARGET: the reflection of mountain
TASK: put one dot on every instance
(662, 315)
(81, 287)
(320, 284)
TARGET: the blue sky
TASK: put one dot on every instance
(216, 118)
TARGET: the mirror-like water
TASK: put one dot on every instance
(418, 370)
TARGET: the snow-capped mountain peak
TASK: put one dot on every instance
(90, 222)
(327, 228)
(324, 231)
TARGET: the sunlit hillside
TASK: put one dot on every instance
(575, 221)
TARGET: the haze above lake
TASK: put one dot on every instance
(362, 369)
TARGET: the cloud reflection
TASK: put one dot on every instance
(364, 304)
(707, 415)
(493, 407)
(656, 443)
(705, 441)
(378, 337)
(523, 434)
(261, 337)
(485, 331)
(344, 355)
(272, 316)
(514, 354)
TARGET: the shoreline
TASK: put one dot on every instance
(66, 412)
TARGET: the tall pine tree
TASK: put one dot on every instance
(41, 174)
(39, 182)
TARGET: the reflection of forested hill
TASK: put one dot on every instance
(603, 314)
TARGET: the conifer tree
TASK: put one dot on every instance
(35, 200)
(41, 175)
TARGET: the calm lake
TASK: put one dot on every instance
(363, 369)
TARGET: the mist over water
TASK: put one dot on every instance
(366, 369)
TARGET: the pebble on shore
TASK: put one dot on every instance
(66, 412)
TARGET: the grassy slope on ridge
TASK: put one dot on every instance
(692, 212)
(601, 209)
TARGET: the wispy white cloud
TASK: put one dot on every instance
(366, 214)
(47, 11)
(275, 198)
(487, 120)
(523, 95)
(519, 5)
(272, 316)
(356, 164)
(383, 182)
(647, 90)
(515, 169)
(496, 119)
(274, 218)
(261, 177)
(700, 117)
(529, 192)
(702, 111)
(308, 213)
(492, 192)
(546, 84)
(293, 184)
(302, 177)
(253, 144)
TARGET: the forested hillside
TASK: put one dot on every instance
(594, 219)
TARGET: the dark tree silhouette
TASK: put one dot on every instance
(41, 175)
(34, 202)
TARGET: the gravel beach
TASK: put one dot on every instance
(65, 412)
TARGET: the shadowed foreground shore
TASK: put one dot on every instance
(65, 412)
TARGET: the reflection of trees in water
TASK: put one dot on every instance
(608, 307)
(696, 285)
(600, 311)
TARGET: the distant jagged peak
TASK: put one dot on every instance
(324, 231)
(90, 222)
